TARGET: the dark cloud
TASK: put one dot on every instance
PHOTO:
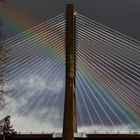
(122, 16)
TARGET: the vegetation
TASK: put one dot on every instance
(5, 127)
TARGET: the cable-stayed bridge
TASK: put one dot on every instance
(106, 73)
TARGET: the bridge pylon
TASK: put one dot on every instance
(69, 122)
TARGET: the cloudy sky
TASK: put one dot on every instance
(37, 70)
(117, 14)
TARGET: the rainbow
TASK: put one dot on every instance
(18, 20)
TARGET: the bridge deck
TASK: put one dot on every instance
(84, 136)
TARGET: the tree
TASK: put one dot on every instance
(6, 129)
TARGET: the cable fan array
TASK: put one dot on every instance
(37, 77)
(107, 78)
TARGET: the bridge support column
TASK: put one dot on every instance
(69, 123)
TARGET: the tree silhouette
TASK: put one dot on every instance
(6, 129)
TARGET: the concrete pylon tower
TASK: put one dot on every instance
(70, 123)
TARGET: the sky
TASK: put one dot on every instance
(34, 95)
(122, 16)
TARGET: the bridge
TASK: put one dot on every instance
(77, 137)
(96, 67)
